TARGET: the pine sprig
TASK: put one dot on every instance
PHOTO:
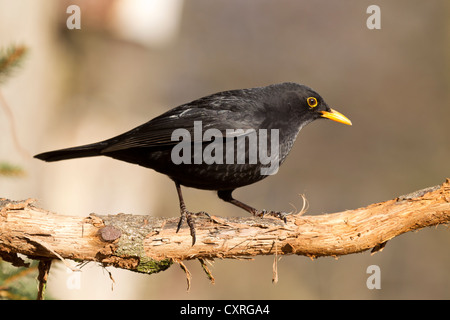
(10, 59)
(10, 170)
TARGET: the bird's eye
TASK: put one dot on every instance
(312, 102)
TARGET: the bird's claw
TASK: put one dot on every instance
(277, 214)
(189, 218)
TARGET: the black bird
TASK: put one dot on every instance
(245, 124)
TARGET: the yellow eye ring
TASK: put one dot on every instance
(312, 102)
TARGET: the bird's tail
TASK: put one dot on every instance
(89, 150)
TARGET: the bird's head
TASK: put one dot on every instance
(308, 105)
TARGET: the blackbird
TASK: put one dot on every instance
(219, 142)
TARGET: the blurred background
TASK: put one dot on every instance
(134, 59)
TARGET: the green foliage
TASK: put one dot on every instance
(18, 283)
(10, 59)
(10, 170)
(15, 283)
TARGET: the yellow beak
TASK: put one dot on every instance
(335, 116)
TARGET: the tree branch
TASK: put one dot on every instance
(150, 244)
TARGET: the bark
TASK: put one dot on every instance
(149, 244)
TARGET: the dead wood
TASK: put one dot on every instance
(149, 244)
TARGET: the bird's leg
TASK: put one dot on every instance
(187, 215)
(226, 196)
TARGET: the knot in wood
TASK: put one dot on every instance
(110, 233)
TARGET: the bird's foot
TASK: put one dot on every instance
(189, 218)
(277, 214)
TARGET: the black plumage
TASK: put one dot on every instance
(275, 111)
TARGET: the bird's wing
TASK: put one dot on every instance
(214, 112)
